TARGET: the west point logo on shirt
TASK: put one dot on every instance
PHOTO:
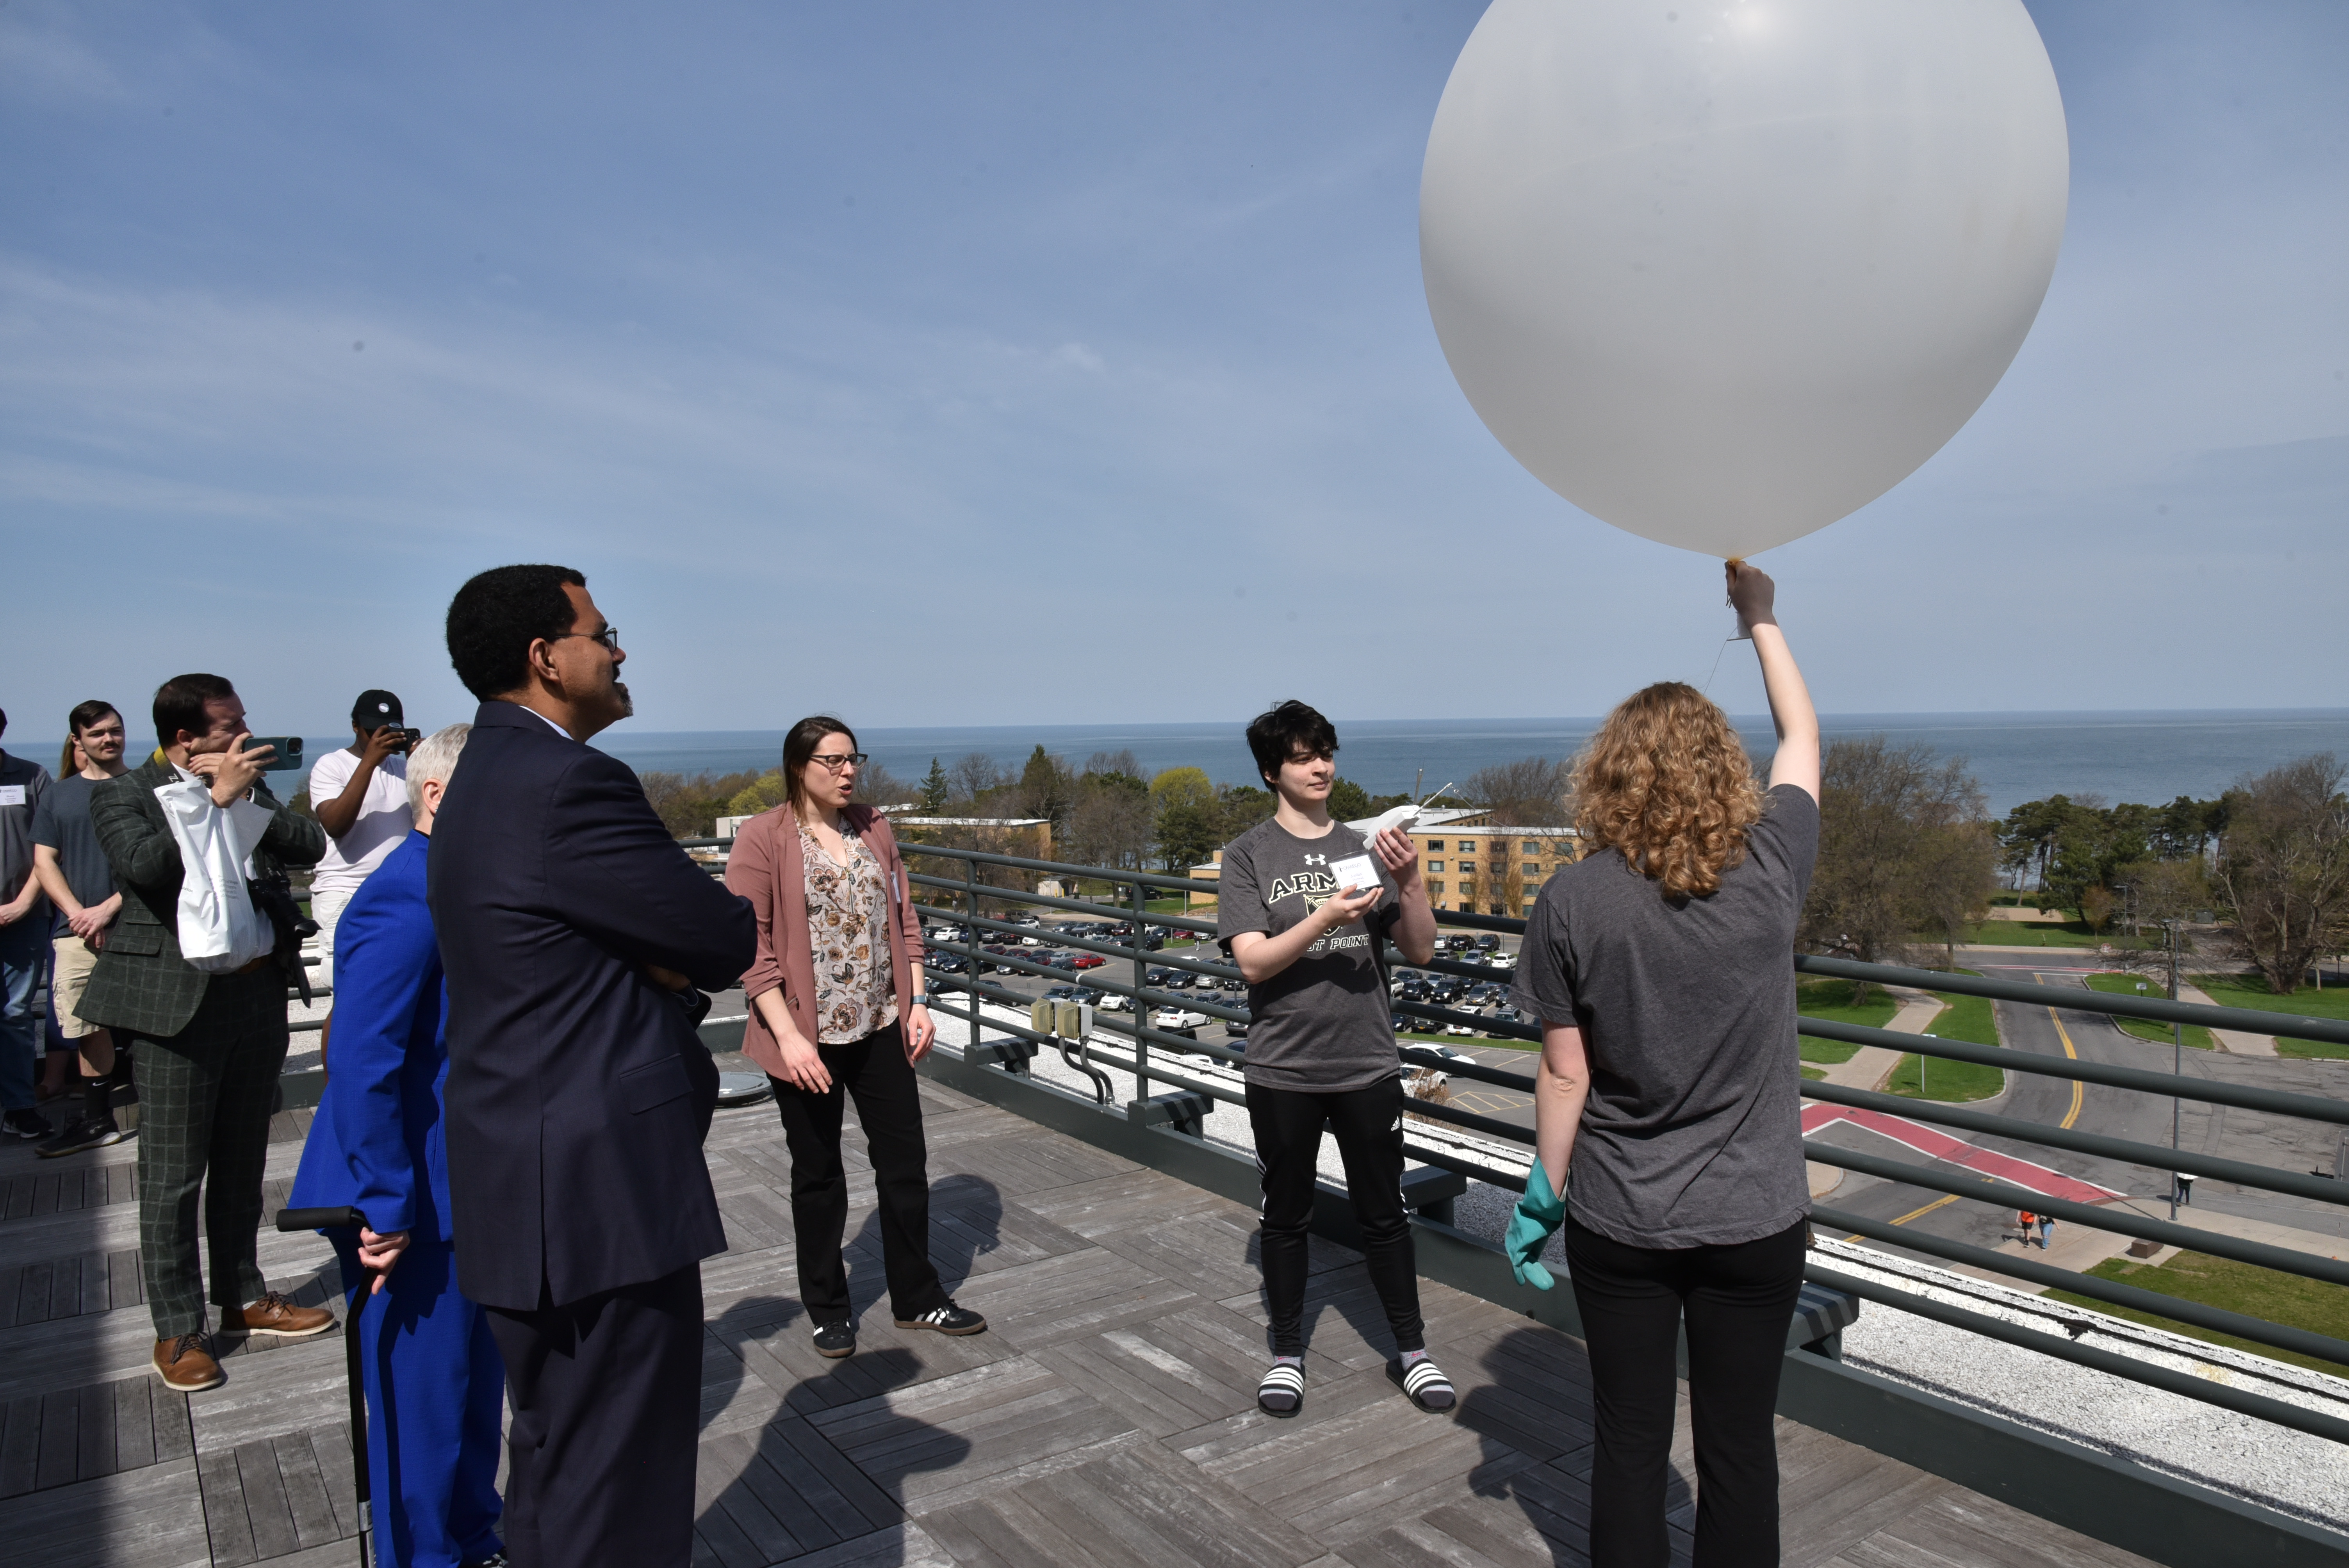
(1315, 887)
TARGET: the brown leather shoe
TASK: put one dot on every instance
(273, 1313)
(185, 1365)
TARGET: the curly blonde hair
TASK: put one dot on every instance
(1667, 781)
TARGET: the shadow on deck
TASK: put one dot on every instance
(1108, 1416)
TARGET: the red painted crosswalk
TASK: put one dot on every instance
(1939, 1145)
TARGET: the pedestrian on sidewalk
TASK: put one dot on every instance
(1307, 908)
(73, 870)
(2024, 1219)
(208, 1047)
(837, 1013)
(1661, 965)
(2046, 1224)
(435, 1386)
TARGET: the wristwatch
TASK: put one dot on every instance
(922, 999)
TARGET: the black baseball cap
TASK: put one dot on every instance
(375, 709)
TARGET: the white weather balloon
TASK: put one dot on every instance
(1720, 273)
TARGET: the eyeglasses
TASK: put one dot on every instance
(846, 759)
(609, 636)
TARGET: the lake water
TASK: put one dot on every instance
(2145, 756)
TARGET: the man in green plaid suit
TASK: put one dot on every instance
(207, 1049)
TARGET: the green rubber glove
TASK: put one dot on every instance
(1538, 1215)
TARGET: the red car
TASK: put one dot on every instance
(1086, 960)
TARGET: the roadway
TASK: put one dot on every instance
(2053, 1030)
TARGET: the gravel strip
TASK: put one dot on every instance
(2298, 1475)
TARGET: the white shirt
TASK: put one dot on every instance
(383, 821)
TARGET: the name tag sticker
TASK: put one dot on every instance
(12, 794)
(1356, 871)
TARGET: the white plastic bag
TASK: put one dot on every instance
(220, 930)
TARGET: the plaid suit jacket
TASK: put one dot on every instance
(140, 983)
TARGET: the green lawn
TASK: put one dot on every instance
(2018, 933)
(2239, 1287)
(1831, 1000)
(2251, 991)
(2196, 1036)
(1968, 1018)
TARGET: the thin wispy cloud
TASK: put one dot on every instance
(1064, 322)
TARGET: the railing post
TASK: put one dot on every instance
(1141, 1008)
(970, 931)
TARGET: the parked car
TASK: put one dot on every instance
(1235, 1029)
(1488, 942)
(1179, 980)
(1231, 983)
(945, 962)
(1458, 1030)
(1177, 1020)
(1087, 960)
(1064, 993)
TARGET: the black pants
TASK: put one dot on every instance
(607, 1395)
(1738, 1301)
(1368, 1124)
(874, 1072)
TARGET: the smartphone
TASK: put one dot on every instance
(289, 751)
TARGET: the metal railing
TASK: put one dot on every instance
(1141, 1051)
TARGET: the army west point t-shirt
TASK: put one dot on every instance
(1322, 1024)
(1691, 1135)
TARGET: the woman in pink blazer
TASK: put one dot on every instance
(836, 1004)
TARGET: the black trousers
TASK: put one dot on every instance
(1738, 1301)
(874, 1072)
(607, 1395)
(1368, 1125)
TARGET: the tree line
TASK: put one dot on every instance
(1908, 850)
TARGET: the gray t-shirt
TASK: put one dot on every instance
(1322, 1024)
(22, 785)
(1692, 1132)
(63, 823)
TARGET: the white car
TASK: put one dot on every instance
(1458, 1030)
(1176, 1019)
(1114, 1004)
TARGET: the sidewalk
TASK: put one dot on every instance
(1868, 1068)
(1870, 1065)
(2082, 1247)
(2234, 1040)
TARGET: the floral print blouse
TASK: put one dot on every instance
(848, 935)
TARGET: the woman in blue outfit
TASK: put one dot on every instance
(435, 1385)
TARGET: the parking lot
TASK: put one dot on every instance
(1042, 942)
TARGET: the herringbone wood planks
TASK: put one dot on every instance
(1108, 1417)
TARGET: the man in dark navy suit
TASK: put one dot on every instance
(575, 933)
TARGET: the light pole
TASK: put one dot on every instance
(2177, 1060)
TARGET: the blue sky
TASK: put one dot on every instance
(819, 336)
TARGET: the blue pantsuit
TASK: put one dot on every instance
(432, 1446)
(435, 1383)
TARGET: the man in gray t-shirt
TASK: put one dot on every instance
(23, 943)
(1697, 1139)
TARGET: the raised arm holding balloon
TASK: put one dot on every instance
(1668, 1088)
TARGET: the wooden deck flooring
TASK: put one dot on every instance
(1108, 1416)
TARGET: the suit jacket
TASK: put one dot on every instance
(140, 983)
(768, 865)
(578, 1091)
(377, 1140)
